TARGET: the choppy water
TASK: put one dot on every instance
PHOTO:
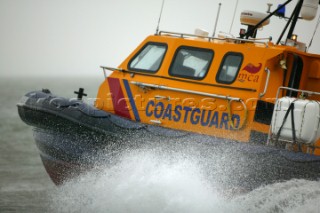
(143, 181)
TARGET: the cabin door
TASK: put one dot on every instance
(295, 75)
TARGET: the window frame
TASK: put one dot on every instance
(221, 66)
(139, 52)
(191, 48)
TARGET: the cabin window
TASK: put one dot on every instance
(149, 58)
(229, 68)
(190, 62)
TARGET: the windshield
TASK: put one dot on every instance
(149, 58)
(191, 62)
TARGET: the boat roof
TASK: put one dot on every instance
(228, 39)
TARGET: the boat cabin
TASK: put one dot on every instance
(224, 87)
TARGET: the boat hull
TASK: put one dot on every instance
(74, 138)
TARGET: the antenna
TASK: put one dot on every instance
(215, 25)
(315, 30)
(234, 14)
(157, 30)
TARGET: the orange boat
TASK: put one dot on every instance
(215, 90)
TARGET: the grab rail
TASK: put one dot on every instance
(296, 90)
(266, 84)
(104, 68)
(183, 35)
(185, 91)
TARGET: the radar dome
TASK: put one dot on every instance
(252, 18)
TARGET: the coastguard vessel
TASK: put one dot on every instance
(257, 97)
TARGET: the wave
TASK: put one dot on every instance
(147, 181)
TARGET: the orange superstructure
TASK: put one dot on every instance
(226, 87)
(219, 87)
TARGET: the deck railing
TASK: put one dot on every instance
(186, 35)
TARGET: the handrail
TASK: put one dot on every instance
(183, 35)
(104, 68)
(244, 118)
(266, 84)
(132, 73)
(161, 87)
(296, 90)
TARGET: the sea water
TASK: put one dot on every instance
(142, 180)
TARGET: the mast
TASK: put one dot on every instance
(295, 18)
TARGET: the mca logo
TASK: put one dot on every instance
(250, 68)
(251, 73)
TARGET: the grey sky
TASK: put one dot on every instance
(75, 37)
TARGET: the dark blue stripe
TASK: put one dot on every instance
(133, 104)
